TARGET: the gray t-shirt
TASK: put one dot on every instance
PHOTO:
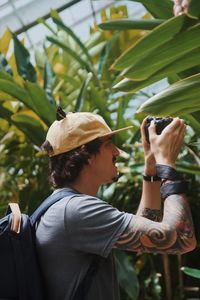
(68, 234)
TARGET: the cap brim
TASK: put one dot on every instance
(117, 131)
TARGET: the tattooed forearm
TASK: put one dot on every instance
(151, 214)
(175, 234)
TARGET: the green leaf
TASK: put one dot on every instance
(72, 34)
(183, 63)
(159, 9)
(159, 36)
(180, 98)
(126, 275)
(31, 127)
(193, 122)
(80, 98)
(15, 90)
(22, 56)
(127, 24)
(182, 44)
(191, 272)
(45, 110)
(83, 63)
(6, 76)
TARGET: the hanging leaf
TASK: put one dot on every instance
(128, 24)
(22, 56)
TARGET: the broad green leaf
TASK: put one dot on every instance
(191, 272)
(159, 36)
(126, 275)
(83, 63)
(80, 98)
(128, 24)
(22, 56)
(178, 99)
(182, 44)
(97, 49)
(45, 110)
(31, 127)
(159, 9)
(5, 41)
(73, 35)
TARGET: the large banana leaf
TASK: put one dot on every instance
(178, 99)
(127, 24)
(22, 56)
(159, 36)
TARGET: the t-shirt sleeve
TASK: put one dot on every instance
(94, 226)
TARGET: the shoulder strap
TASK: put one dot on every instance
(48, 202)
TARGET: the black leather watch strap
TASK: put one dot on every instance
(167, 172)
(176, 187)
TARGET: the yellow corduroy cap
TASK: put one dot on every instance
(77, 129)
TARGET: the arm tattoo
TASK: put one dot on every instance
(175, 234)
(151, 214)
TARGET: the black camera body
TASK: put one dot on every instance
(160, 123)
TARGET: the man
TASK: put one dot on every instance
(80, 228)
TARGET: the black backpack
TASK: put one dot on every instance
(20, 276)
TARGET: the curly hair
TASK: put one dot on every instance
(64, 168)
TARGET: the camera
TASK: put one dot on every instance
(160, 123)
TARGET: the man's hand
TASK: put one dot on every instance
(150, 163)
(166, 146)
(180, 7)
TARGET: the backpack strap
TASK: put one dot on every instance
(53, 198)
